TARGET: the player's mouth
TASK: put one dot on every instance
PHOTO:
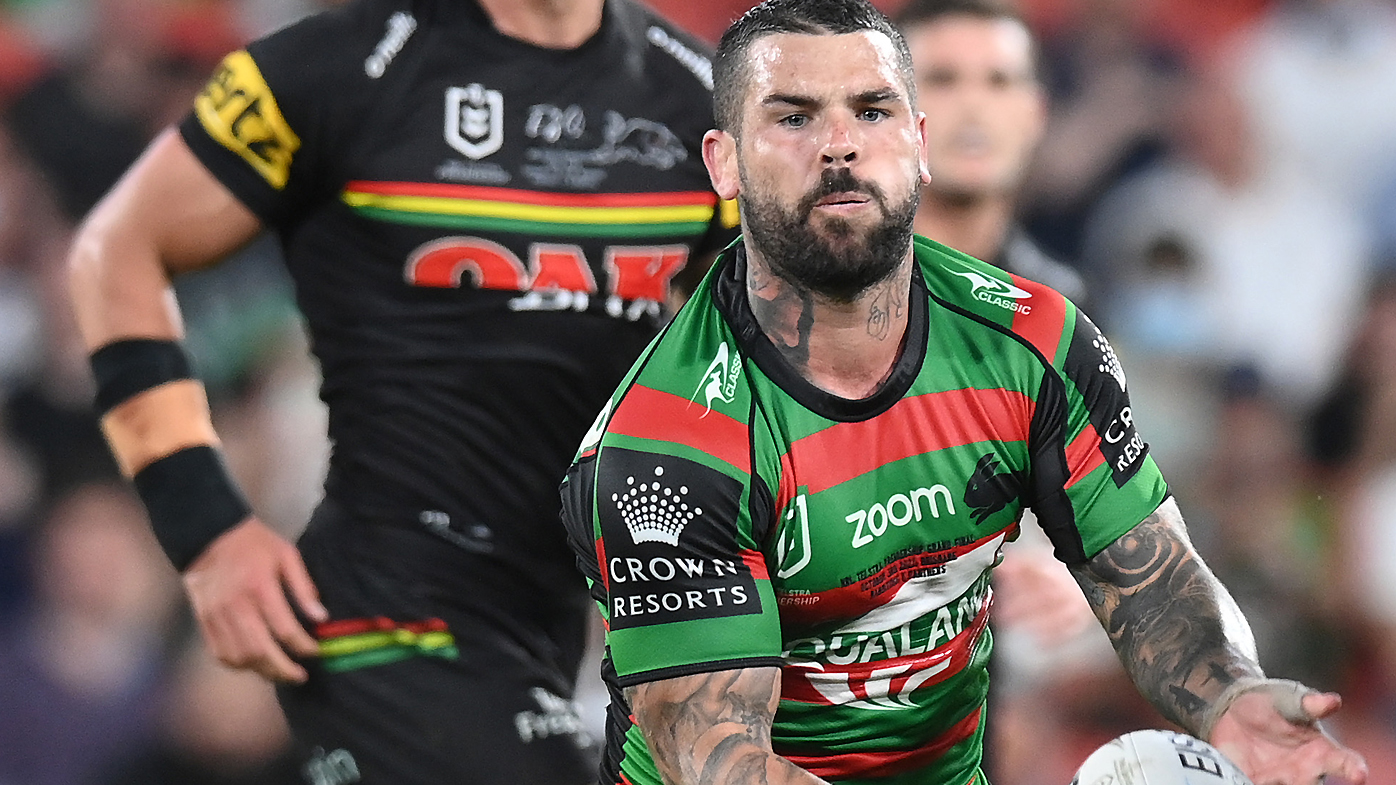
(843, 201)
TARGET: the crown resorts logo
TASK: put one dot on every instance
(653, 511)
(1109, 363)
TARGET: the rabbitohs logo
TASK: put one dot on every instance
(988, 489)
(720, 378)
(994, 291)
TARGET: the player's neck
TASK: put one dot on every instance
(845, 348)
(552, 24)
(976, 226)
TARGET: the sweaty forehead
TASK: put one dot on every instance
(822, 66)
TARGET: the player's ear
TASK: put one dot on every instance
(720, 156)
(922, 146)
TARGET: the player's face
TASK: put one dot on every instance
(828, 161)
(984, 107)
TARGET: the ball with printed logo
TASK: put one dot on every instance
(1158, 757)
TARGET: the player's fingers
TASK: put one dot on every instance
(1317, 705)
(284, 624)
(1351, 766)
(302, 588)
(261, 652)
(219, 638)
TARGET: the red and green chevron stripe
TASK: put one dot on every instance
(484, 208)
(351, 644)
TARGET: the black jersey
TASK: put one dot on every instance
(478, 260)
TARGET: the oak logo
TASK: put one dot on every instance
(474, 120)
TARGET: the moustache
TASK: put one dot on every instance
(833, 181)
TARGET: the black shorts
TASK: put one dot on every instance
(425, 679)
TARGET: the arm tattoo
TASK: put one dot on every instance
(714, 728)
(1176, 629)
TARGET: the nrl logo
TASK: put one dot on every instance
(474, 120)
(719, 382)
(655, 512)
(994, 291)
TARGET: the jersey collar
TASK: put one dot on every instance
(729, 293)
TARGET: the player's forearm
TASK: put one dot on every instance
(1177, 630)
(715, 728)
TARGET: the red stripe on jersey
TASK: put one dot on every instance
(1042, 325)
(858, 599)
(342, 627)
(647, 413)
(786, 491)
(1083, 455)
(884, 683)
(601, 560)
(756, 562)
(519, 196)
(913, 426)
(868, 765)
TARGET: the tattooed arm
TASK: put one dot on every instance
(715, 728)
(1188, 648)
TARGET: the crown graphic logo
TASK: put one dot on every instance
(654, 511)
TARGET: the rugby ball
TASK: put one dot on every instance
(1158, 757)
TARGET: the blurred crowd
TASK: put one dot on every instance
(1222, 173)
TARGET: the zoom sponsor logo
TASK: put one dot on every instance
(668, 528)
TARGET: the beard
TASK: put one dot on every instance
(837, 263)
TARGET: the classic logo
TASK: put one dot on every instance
(719, 381)
(994, 291)
(237, 108)
(474, 120)
(990, 490)
(654, 512)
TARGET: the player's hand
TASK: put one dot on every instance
(1274, 736)
(239, 586)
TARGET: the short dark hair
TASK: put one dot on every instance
(915, 13)
(808, 17)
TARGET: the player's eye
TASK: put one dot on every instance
(873, 115)
(794, 121)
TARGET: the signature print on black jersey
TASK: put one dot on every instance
(670, 542)
(988, 489)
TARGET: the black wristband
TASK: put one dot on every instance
(190, 500)
(131, 366)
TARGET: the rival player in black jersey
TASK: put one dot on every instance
(483, 206)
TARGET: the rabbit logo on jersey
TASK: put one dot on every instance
(669, 542)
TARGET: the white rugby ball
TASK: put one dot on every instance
(1158, 757)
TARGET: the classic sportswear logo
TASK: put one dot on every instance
(474, 120)
(654, 512)
(719, 382)
(994, 291)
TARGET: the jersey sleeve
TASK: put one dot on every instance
(265, 123)
(1092, 478)
(662, 514)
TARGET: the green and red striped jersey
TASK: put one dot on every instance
(730, 514)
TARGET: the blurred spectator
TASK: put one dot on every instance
(1319, 81)
(220, 727)
(1211, 256)
(79, 670)
(1109, 86)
